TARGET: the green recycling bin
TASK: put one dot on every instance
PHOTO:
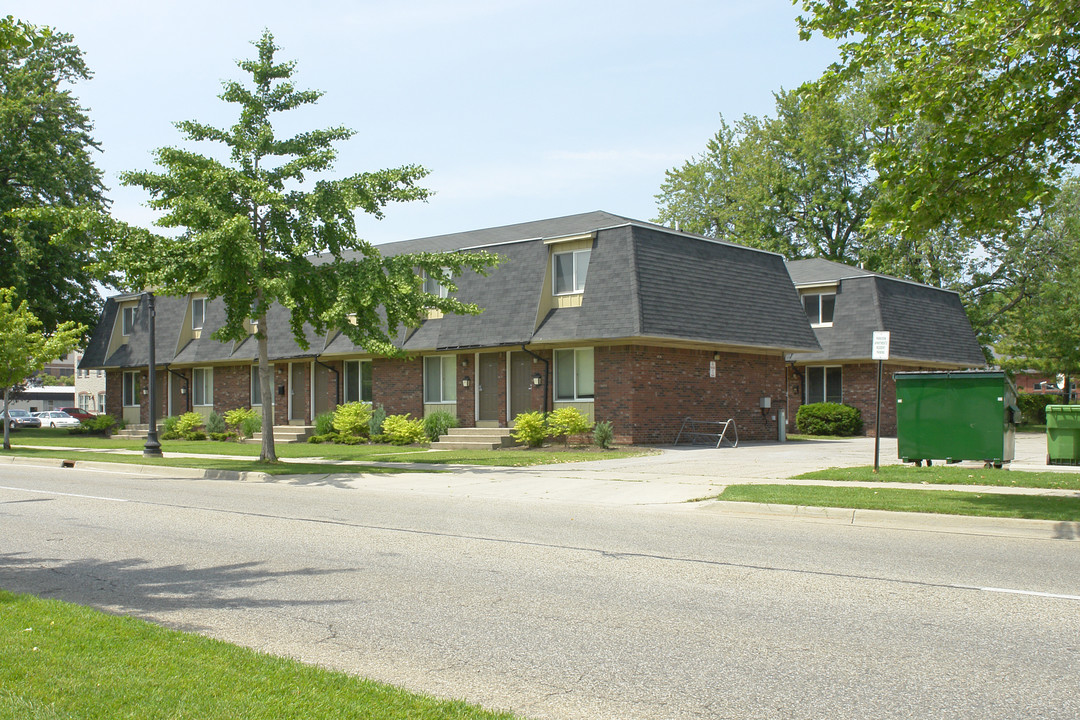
(1063, 434)
(954, 416)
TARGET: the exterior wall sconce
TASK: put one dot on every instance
(465, 381)
(183, 391)
(537, 379)
(715, 356)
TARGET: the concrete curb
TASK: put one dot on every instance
(925, 522)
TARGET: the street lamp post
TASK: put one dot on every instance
(153, 446)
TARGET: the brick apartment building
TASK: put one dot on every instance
(629, 322)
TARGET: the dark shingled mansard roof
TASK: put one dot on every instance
(645, 283)
(926, 324)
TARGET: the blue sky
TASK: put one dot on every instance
(520, 110)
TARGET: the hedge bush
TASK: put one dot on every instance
(566, 422)
(530, 428)
(1033, 406)
(400, 430)
(828, 419)
(99, 425)
(353, 419)
(245, 421)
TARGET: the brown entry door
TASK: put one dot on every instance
(489, 388)
(297, 406)
(521, 370)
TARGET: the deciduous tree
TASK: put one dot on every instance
(25, 346)
(248, 229)
(981, 96)
(47, 173)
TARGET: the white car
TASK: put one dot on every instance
(56, 418)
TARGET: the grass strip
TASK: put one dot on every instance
(238, 465)
(944, 502)
(946, 475)
(65, 661)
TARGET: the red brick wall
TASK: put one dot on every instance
(232, 388)
(398, 385)
(466, 405)
(646, 392)
(114, 393)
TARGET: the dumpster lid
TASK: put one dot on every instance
(949, 373)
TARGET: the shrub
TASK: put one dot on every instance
(188, 423)
(530, 428)
(246, 421)
(567, 421)
(215, 425)
(219, 436)
(437, 423)
(378, 415)
(195, 435)
(400, 430)
(1033, 406)
(603, 434)
(324, 423)
(100, 425)
(168, 428)
(828, 419)
(353, 419)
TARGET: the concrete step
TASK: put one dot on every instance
(287, 434)
(474, 439)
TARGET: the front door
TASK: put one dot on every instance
(297, 392)
(488, 389)
(324, 402)
(521, 370)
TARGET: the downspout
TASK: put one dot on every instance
(187, 388)
(547, 375)
(337, 379)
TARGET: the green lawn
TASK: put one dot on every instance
(62, 661)
(237, 465)
(23, 441)
(949, 475)
(947, 502)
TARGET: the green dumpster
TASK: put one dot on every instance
(1063, 434)
(954, 416)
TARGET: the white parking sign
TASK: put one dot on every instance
(881, 346)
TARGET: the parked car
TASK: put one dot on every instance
(78, 413)
(57, 418)
(17, 419)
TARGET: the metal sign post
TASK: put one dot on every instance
(880, 352)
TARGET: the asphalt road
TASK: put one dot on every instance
(557, 610)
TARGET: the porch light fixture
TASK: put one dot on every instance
(465, 381)
(537, 379)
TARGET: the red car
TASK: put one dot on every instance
(78, 414)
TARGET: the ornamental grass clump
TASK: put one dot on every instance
(603, 434)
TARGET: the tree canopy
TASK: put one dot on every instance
(248, 229)
(25, 347)
(799, 184)
(981, 97)
(47, 176)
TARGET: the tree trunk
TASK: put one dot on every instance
(7, 421)
(266, 392)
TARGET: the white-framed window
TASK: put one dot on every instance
(819, 308)
(198, 313)
(357, 381)
(101, 402)
(202, 386)
(432, 286)
(824, 384)
(568, 271)
(86, 402)
(440, 379)
(574, 374)
(127, 319)
(131, 388)
(256, 385)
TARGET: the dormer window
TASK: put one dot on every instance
(127, 319)
(432, 286)
(819, 308)
(198, 313)
(569, 270)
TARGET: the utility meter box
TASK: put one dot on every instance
(954, 416)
